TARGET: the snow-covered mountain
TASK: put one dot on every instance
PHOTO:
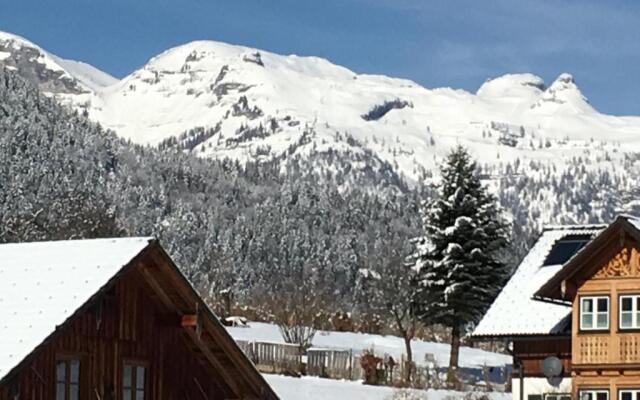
(221, 100)
(53, 74)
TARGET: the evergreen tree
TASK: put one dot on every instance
(459, 271)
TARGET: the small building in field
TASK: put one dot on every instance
(111, 319)
(572, 312)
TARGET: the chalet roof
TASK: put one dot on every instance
(551, 290)
(44, 286)
(44, 283)
(515, 312)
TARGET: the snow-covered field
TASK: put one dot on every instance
(391, 345)
(311, 388)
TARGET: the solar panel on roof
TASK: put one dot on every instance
(564, 249)
(505, 318)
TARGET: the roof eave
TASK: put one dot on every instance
(585, 227)
(519, 336)
(552, 300)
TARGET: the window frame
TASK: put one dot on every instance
(632, 390)
(595, 392)
(635, 310)
(557, 395)
(67, 359)
(595, 313)
(134, 364)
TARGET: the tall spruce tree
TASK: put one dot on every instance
(459, 268)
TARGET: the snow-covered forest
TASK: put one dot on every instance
(254, 230)
(249, 228)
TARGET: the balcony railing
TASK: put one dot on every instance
(629, 348)
(607, 349)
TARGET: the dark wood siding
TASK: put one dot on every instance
(127, 323)
(531, 352)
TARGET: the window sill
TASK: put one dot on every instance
(593, 331)
(628, 330)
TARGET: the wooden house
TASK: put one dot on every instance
(592, 292)
(112, 319)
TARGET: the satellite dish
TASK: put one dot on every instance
(551, 367)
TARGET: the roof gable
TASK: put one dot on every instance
(209, 335)
(50, 284)
(623, 264)
(608, 254)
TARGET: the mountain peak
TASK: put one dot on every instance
(200, 55)
(512, 85)
(564, 78)
(52, 74)
(564, 94)
(211, 56)
(228, 101)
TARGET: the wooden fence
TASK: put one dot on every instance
(334, 364)
(273, 357)
(345, 364)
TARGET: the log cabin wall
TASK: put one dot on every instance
(532, 351)
(126, 325)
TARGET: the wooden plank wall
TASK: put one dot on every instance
(618, 273)
(531, 353)
(133, 327)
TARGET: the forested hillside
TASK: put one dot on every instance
(254, 229)
(258, 229)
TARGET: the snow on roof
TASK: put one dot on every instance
(515, 312)
(632, 219)
(44, 283)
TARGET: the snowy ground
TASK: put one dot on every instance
(391, 345)
(311, 388)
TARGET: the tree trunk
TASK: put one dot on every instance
(408, 368)
(452, 373)
(227, 303)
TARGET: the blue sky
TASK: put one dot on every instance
(435, 43)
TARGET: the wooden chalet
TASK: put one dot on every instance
(112, 319)
(594, 280)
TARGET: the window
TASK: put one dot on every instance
(594, 395)
(630, 312)
(534, 397)
(565, 248)
(594, 313)
(629, 394)
(133, 382)
(68, 379)
(557, 396)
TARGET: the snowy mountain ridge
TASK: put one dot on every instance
(221, 100)
(46, 69)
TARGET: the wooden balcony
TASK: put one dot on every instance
(607, 349)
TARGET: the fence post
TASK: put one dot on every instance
(254, 350)
(351, 364)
